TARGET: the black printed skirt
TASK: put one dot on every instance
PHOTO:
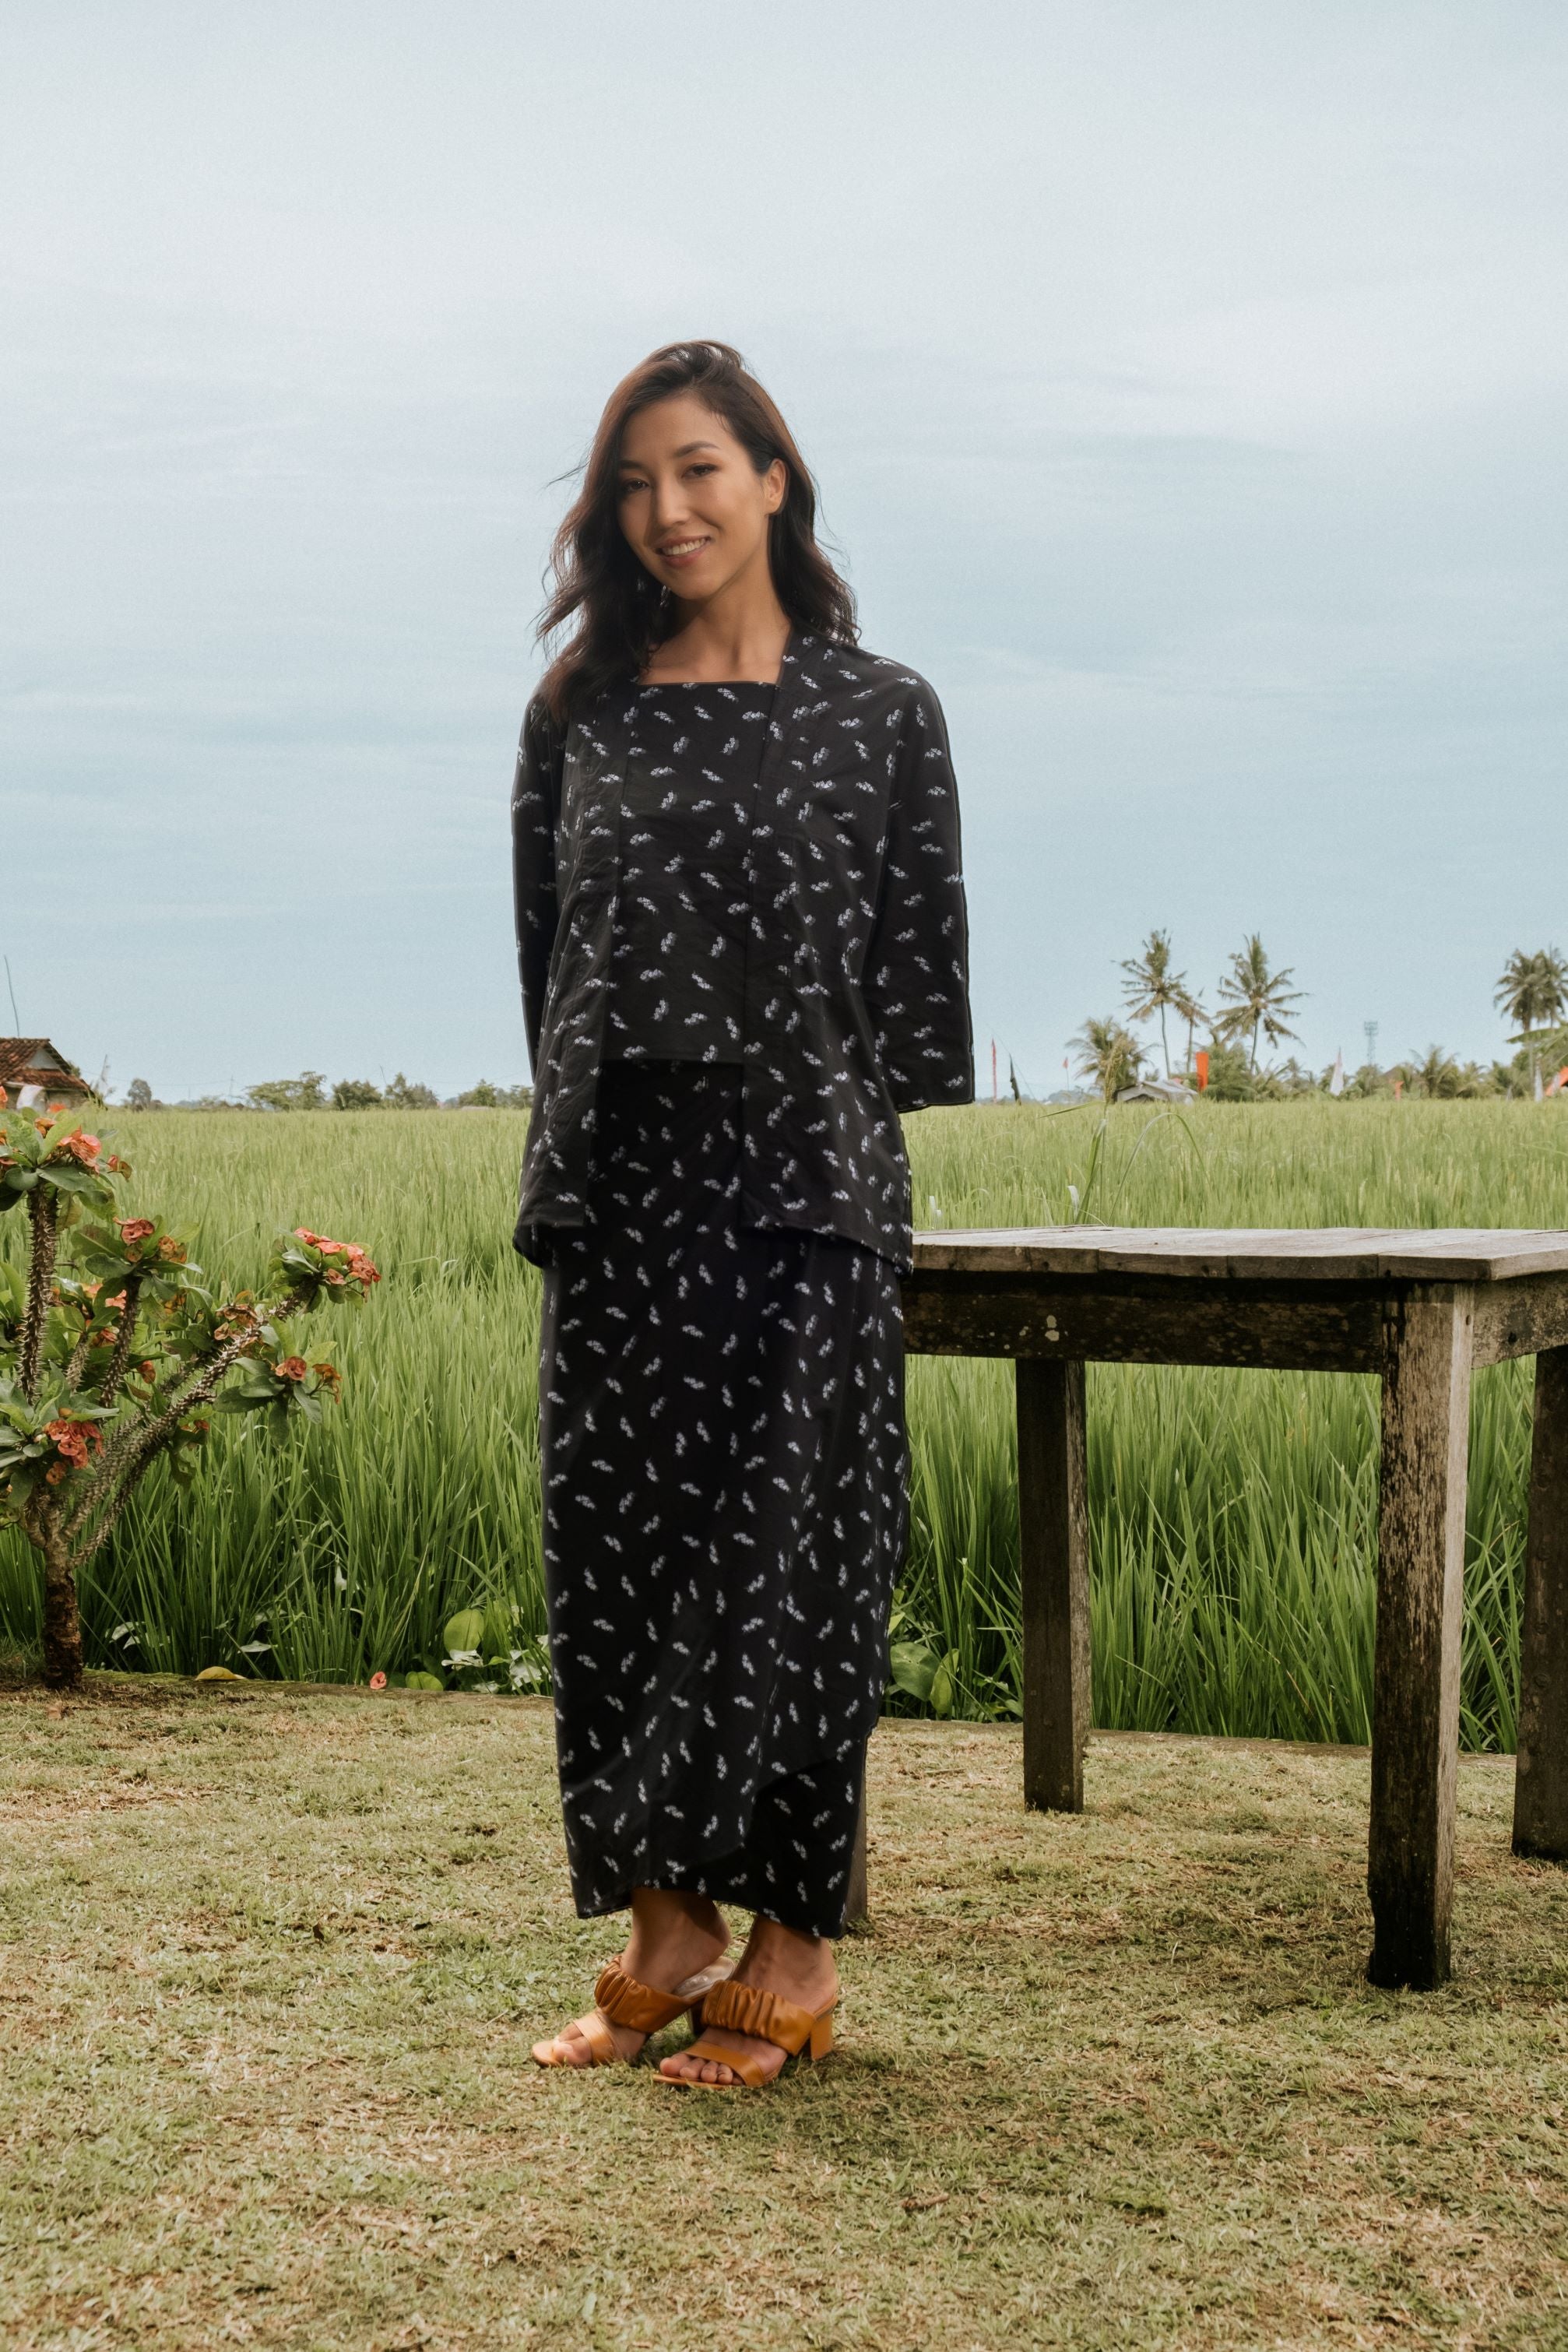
(722, 1426)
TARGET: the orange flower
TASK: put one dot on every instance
(170, 1251)
(73, 1440)
(378, 1681)
(292, 1368)
(134, 1229)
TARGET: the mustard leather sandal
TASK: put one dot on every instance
(619, 1999)
(744, 2009)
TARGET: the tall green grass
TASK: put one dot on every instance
(1233, 1514)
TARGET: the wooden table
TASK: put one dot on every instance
(1419, 1308)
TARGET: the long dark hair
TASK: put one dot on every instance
(620, 611)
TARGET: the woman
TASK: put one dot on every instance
(742, 935)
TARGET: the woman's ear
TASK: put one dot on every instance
(776, 486)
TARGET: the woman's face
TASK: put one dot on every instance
(693, 507)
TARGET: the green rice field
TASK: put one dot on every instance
(1233, 1513)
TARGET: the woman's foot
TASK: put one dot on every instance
(673, 1935)
(779, 1960)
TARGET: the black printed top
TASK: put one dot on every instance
(855, 1002)
(677, 955)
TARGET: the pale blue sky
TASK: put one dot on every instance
(1185, 385)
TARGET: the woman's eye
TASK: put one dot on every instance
(631, 482)
(705, 467)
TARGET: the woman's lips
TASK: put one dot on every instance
(683, 551)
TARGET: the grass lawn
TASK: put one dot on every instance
(271, 1963)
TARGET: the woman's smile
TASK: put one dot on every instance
(683, 550)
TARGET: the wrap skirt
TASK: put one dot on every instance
(725, 1476)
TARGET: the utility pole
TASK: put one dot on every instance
(1369, 1031)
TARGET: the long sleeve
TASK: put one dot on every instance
(535, 805)
(917, 971)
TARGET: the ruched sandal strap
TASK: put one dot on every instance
(637, 2006)
(745, 2008)
(620, 2000)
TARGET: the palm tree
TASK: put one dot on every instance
(1191, 1012)
(1532, 991)
(1436, 1074)
(1258, 998)
(1154, 988)
(1107, 1054)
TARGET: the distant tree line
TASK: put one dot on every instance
(310, 1091)
(1253, 1008)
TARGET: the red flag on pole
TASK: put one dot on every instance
(1201, 1063)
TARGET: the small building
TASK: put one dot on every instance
(33, 1062)
(1157, 1091)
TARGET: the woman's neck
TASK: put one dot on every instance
(736, 635)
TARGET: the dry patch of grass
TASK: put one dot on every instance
(270, 1965)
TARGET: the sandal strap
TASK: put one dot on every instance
(744, 2068)
(635, 2006)
(599, 2039)
(746, 2009)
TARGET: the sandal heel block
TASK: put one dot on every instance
(744, 2009)
(619, 1999)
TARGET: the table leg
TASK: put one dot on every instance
(1540, 1773)
(1053, 1547)
(1416, 1675)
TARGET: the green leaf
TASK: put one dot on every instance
(941, 1686)
(465, 1631)
(913, 1667)
(423, 1682)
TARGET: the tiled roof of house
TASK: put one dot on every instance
(34, 1062)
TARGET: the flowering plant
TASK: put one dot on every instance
(114, 1354)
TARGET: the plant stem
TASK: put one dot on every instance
(62, 1621)
(126, 1340)
(43, 1212)
(131, 1467)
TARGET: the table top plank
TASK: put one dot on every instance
(1249, 1254)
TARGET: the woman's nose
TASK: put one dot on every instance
(668, 504)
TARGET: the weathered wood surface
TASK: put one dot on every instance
(1520, 1317)
(1540, 1779)
(1343, 1254)
(1125, 1318)
(1053, 1547)
(1415, 1672)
